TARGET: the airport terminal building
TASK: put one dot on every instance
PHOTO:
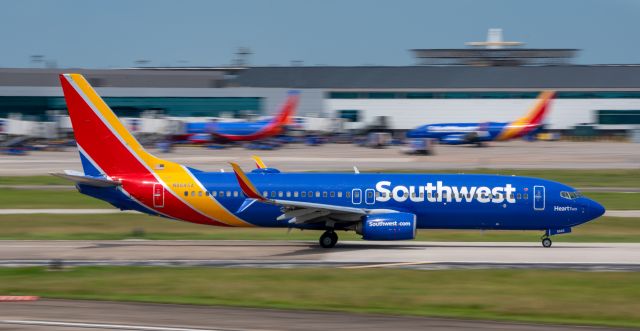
(448, 86)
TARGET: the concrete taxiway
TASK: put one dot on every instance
(62, 315)
(342, 157)
(348, 254)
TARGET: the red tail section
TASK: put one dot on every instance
(288, 110)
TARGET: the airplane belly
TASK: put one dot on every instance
(496, 217)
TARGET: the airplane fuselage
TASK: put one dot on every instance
(466, 133)
(438, 200)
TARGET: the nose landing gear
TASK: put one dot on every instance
(328, 239)
(546, 241)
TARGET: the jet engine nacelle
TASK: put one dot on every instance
(388, 226)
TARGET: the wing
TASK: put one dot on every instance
(300, 212)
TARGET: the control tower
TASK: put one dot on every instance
(495, 52)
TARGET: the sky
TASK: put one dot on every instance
(115, 33)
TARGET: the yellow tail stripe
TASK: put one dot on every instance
(173, 175)
(259, 162)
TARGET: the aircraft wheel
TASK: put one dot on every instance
(546, 242)
(328, 239)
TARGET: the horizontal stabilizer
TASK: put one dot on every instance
(80, 178)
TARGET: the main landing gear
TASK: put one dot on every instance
(328, 239)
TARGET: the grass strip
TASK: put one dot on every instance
(40, 199)
(127, 226)
(553, 296)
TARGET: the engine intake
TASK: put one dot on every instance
(388, 226)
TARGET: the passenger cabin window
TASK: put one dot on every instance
(526, 196)
(199, 193)
(333, 194)
(324, 194)
(304, 194)
(288, 194)
(235, 194)
(339, 194)
(186, 193)
(295, 194)
(348, 194)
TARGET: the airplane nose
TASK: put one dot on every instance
(595, 209)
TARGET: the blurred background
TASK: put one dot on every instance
(184, 76)
(168, 69)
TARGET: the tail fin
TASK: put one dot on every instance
(536, 115)
(259, 163)
(288, 110)
(531, 121)
(106, 147)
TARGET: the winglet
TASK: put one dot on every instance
(259, 163)
(245, 184)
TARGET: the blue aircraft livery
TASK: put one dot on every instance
(117, 169)
(478, 133)
(204, 132)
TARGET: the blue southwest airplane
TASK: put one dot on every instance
(117, 169)
(478, 133)
(204, 132)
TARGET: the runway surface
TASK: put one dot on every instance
(342, 157)
(59, 315)
(348, 254)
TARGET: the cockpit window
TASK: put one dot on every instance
(571, 195)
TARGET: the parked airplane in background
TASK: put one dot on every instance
(478, 133)
(205, 132)
(379, 206)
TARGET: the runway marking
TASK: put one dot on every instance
(382, 265)
(106, 326)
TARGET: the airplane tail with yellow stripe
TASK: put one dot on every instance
(108, 151)
(537, 113)
(106, 147)
(532, 120)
